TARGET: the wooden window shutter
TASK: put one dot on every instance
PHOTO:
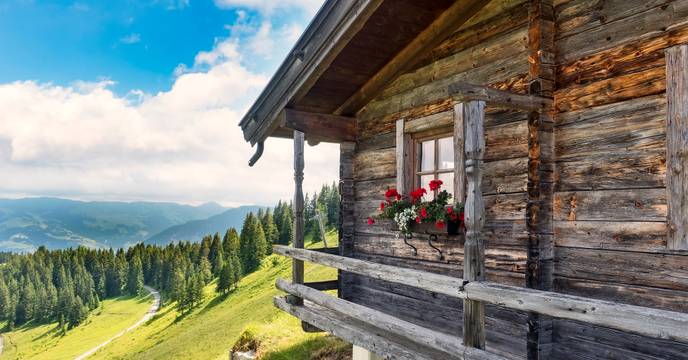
(459, 155)
(677, 147)
(404, 154)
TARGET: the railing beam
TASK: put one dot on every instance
(655, 323)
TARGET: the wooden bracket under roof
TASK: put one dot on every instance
(316, 127)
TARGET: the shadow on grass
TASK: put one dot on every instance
(320, 348)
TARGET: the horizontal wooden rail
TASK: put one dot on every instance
(410, 331)
(424, 280)
(463, 92)
(655, 323)
(355, 332)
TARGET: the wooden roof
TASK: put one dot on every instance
(346, 45)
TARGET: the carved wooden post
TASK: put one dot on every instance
(404, 148)
(677, 146)
(297, 265)
(459, 169)
(473, 114)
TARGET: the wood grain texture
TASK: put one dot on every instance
(677, 146)
(404, 158)
(455, 16)
(297, 265)
(474, 249)
(412, 332)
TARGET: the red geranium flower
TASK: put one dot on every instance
(418, 219)
(423, 213)
(371, 221)
(382, 206)
(453, 216)
(450, 210)
(392, 193)
(417, 194)
(435, 184)
(440, 224)
(461, 217)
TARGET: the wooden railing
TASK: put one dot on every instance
(655, 323)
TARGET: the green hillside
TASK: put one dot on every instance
(212, 329)
(44, 341)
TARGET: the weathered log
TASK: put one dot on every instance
(319, 127)
(645, 321)
(677, 147)
(474, 249)
(297, 265)
(412, 332)
(452, 18)
(355, 332)
(463, 92)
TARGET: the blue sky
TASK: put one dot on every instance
(136, 43)
(140, 100)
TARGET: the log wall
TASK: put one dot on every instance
(491, 49)
(609, 200)
(610, 203)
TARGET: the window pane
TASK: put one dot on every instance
(448, 184)
(427, 155)
(424, 181)
(446, 153)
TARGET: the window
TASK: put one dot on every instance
(435, 160)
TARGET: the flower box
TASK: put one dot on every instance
(450, 228)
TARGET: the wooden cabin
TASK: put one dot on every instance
(563, 127)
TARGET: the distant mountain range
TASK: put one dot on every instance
(26, 224)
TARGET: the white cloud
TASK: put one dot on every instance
(132, 38)
(268, 6)
(84, 141)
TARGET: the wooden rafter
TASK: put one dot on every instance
(455, 16)
(463, 92)
(317, 127)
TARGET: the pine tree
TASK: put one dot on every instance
(135, 276)
(215, 255)
(270, 229)
(224, 283)
(5, 300)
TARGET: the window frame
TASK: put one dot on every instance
(418, 140)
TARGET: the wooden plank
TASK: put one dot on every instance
(297, 265)
(677, 147)
(433, 35)
(625, 235)
(319, 127)
(655, 323)
(630, 24)
(607, 91)
(660, 324)
(472, 114)
(356, 332)
(666, 271)
(412, 332)
(404, 158)
(462, 92)
(611, 205)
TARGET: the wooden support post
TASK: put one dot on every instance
(459, 155)
(404, 150)
(539, 218)
(472, 114)
(677, 146)
(346, 212)
(297, 265)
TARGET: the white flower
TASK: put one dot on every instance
(404, 218)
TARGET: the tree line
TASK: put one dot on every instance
(65, 285)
